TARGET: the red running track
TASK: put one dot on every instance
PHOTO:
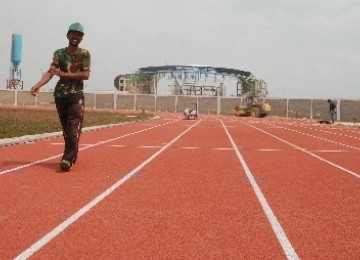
(213, 188)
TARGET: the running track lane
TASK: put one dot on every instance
(315, 199)
(244, 147)
(338, 148)
(42, 196)
(254, 238)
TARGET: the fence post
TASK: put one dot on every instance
(287, 108)
(311, 109)
(155, 97)
(135, 100)
(16, 98)
(197, 105)
(176, 103)
(114, 106)
(94, 100)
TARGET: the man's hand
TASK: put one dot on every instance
(57, 72)
(34, 90)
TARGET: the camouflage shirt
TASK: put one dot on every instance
(70, 63)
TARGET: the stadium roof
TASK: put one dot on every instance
(203, 69)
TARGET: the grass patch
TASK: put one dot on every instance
(19, 122)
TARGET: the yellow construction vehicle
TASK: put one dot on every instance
(252, 92)
(258, 108)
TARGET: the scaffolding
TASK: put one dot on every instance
(198, 80)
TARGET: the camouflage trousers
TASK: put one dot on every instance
(333, 115)
(71, 114)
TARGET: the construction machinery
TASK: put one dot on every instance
(191, 112)
(252, 92)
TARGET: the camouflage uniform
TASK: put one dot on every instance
(69, 98)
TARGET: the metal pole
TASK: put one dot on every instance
(287, 108)
(338, 109)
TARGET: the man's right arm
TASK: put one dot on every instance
(45, 79)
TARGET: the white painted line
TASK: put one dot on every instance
(30, 164)
(189, 148)
(321, 138)
(330, 151)
(58, 144)
(276, 226)
(118, 145)
(223, 149)
(269, 150)
(65, 224)
(149, 146)
(87, 147)
(82, 144)
(308, 152)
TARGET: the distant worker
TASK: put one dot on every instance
(333, 110)
(72, 66)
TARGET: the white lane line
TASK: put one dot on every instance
(278, 230)
(330, 151)
(308, 152)
(149, 146)
(117, 145)
(321, 138)
(224, 149)
(30, 164)
(329, 132)
(65, 224)
(189, 148)
(58, 144)
(87, 147)
(269, 150)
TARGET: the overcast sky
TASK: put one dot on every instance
(301, 48)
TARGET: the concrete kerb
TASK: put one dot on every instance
(33, 138)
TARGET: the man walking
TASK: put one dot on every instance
(333, 110)
(72, 66)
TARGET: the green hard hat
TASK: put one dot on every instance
(77, 27)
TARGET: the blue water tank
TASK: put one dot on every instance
(16, 49)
